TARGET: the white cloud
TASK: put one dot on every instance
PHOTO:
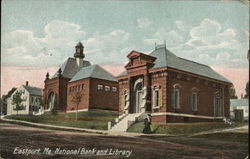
(180, 25)
(171, 37)
(22, 48)
(143, 23)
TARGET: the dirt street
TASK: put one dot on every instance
(22, 139)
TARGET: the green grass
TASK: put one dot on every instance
(90, 120)
(182, 129)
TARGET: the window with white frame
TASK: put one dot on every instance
(114, 89)
(156, 96)
(175, 96)
(99, 87)
(107, 88)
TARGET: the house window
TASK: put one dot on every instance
(217, 105)
(114, 89)
(156, 98)
(193, 101)
(99, 87)
(175, 96)
(81, 86)
(107, 88)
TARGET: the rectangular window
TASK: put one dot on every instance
(114, 89)
(175, 98)
(156, 98)
(99, 87)
(193, 101)
(107, 88)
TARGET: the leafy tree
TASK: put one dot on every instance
(247, 90)
(232, 93)
(17, 100)
(77, 98)
(4, 101)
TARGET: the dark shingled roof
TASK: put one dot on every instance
(239, 102)
(33, 90)
(94, 71)
(165, 58)
(70, 68)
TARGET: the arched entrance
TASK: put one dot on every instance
(137, 96)
(51, 100)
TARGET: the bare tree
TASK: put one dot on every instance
(77, 98)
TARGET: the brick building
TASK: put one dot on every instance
(171, 88)
(98, 88)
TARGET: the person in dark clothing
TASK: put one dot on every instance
(147, 129)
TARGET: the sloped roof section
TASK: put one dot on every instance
(165, 58)
(239, 102)
(33, 90)
(93, 71)
(70, 68)
(168, 59)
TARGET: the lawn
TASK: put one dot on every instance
(90, 120)
(183, 129)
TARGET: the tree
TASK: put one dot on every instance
(232, 93)
(77, 98)
(17, 100)
(4, 101)
(247, 90)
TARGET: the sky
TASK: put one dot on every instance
(37, 36)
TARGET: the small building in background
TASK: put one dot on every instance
(239, 109)
(97, 87)
(30, 101)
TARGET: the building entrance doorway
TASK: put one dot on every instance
(137, 96)
(51, 101)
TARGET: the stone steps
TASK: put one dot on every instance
(123, 125)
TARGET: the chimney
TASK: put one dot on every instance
(27, 83)
(241, 96)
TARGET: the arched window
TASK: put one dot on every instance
(175, 96)
(193, 99)
(217, 104)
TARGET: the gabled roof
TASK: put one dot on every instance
(33, 90)
(165, 58)
(93, 71)
(239, 102)
(70, 68)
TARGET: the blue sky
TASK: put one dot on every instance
(43, 33)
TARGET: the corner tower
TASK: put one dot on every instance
(79, 55)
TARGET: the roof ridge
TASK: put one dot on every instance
(32, 87)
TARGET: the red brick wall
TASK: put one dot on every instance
(63, 93)
(59, 87)
(162, 82)
(159, 119)
(226, 102)
(205, 96)
(84, 104)
(123, 85)
(101, 99)
(51, 85)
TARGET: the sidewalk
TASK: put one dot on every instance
(220, 130)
